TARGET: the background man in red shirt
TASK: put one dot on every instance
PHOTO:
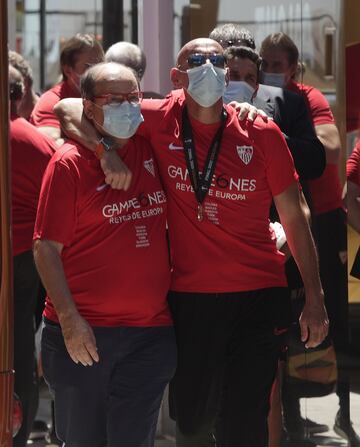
(280, 58)
(77, 55)
(30, 154)
(108, 344)
(30, 98)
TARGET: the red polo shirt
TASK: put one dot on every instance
(326, 190)
(30, 154)
(43, 114)
(115, 253)
(232, 249)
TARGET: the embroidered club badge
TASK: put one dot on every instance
(245, 153)
(149, 166)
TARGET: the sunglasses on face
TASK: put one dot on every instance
(108, 99)
(196, 60)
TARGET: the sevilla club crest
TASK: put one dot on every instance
(149, 166)
(245, 153)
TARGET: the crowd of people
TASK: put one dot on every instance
(176, 240)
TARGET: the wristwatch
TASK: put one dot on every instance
(105, 144)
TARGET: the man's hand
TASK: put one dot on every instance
(79, 340)
(247, 111)
(314, 323)
(117, 174)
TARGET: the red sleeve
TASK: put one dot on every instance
(43, 114)
(56, 215)
(353, 166)
(319, 107)
(280, 168)
(153, 112)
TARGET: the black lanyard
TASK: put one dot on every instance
(201, 182)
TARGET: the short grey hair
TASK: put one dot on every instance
(21, 64)
(91, 76)
(128, 54)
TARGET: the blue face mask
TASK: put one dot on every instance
(273, 79)
(122, 120)
(206, 84)
(239, 91)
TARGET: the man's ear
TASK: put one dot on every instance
(294, 70)
(179, 78)
(227, 76)
(67, 70)
(88, 109)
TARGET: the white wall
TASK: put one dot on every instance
(156, 31)
(12, 23)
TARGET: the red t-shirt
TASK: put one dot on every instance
(115, 253)
(232, 249)
(30, 154)
(43, 114)
(326, 190)
(353, 165)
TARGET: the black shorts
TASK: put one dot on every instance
(228, 349)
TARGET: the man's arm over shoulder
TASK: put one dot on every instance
(74, 123)
(52, 132)
(44, 118)
(77, 127)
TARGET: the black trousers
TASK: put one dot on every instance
(331, 236)
(26, 283)
(228, 348)
(116, 401)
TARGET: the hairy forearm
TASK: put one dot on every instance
(329, 136)
(293, 215)
(52, 132)
(303, 250)
(51, 271)
(74, 123)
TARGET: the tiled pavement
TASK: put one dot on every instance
(321, 409)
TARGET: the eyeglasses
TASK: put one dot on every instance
(108, 99)
(196, 60)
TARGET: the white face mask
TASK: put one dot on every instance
(273, 79)
(122, 120)
(206, 84)
(239, 91)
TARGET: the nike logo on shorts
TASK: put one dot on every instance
(278, 331)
